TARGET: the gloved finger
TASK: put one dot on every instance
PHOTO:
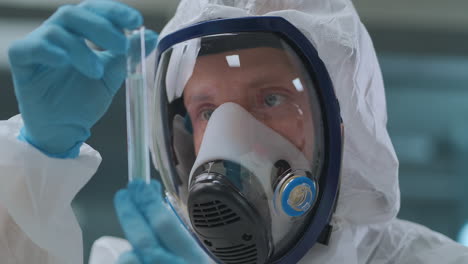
(81, 57)
(160, 255)
(115, 63)
(151, 39)
(121, 15)
(90, 26)
(115, 69)
(135, 48)
(164, 223)
(135, 227)
(157, 256)
(30, 51)
(128, 257)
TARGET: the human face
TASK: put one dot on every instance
(268, 84)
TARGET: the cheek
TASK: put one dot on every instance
(298, 131)
(198, 131)
(309, 139)
(292, 130)
(196, 143)
(309, 147)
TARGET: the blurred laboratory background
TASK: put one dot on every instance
(422, 46)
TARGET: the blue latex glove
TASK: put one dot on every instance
(152, 228)
(63, 87)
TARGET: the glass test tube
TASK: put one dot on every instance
(136, 106)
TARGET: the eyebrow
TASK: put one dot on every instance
(200, 98)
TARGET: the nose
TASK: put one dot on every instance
(240, 96)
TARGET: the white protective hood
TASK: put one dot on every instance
(369, 188)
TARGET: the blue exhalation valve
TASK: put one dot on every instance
(297, 195)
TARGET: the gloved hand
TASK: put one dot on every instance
(64, 87)
(152, 228)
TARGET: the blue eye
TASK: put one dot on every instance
(273, 100)
(206, 114)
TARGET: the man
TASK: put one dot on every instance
(243, 119)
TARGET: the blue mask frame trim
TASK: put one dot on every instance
(329, 104)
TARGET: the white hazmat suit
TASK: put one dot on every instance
(37, 224)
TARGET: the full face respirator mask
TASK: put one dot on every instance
(247, 138)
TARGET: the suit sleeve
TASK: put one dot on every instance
(37, 223)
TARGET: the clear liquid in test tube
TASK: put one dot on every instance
(136, 108)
